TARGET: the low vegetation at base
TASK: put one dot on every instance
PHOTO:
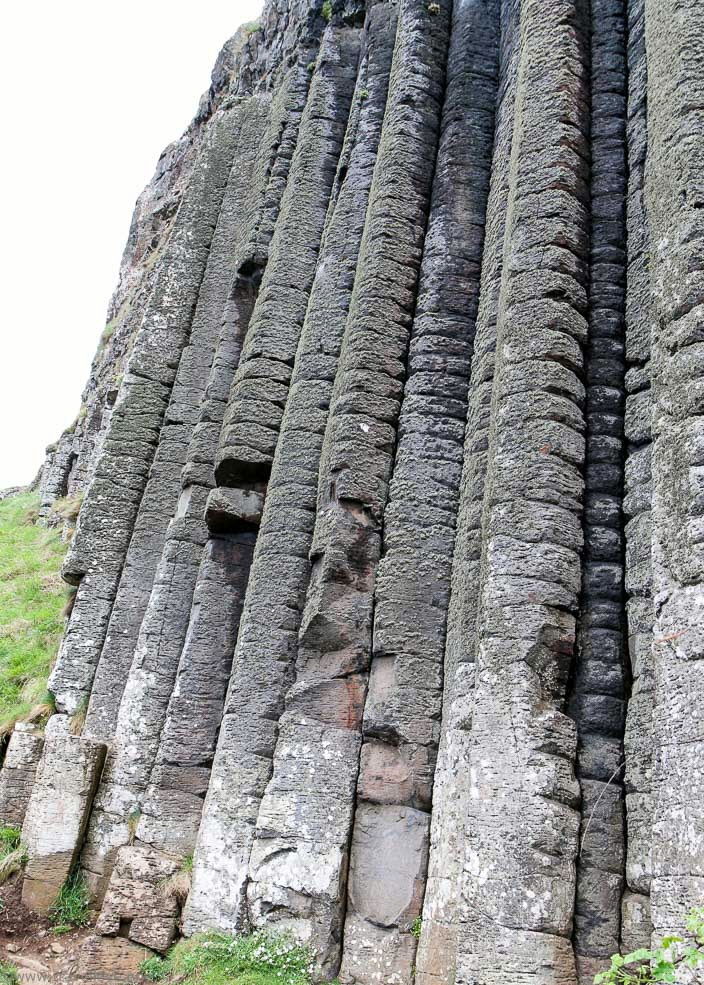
(12, 853)
(178, 886)
(260, 958)
(32, 600)
(661, 964)
(8, 974)
(71, 908)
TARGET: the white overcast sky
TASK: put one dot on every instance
(90, 93)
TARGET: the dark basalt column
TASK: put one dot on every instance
(522, 824)
(166, 485)
(636, 927)
(437, 952)
(260, 387)
(267, 643)
(598, 695)
(401, 721)
(299, 859)
(172, 805)
(113, 498)
(153, 672)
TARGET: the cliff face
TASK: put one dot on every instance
(389, 568)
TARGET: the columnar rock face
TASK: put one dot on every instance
(390, 606)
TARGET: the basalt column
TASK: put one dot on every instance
(401, 722)
(165, 487)
(153, 672)
(172, 805)
(636, 926)
(132, 717)
(437, 952)
(674, 191)
(522, 817)
(267, 642)
(298, 867)
(597, 702)
(113, 499)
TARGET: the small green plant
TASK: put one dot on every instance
(9, 839)
(310, 66)
(132, 823)
(326, 10)
(78, 718)
(108, 332)
(13, 854)
(8, 974)
(155, 969)
(71, 907)
(416, 927)
(363, 94)
(178, 886)
(646, 966)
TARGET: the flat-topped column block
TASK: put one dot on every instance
(58, 810)
(18, 772)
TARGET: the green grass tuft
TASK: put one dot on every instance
(13, 854)
(8, 974)
(326, 10)
(155, 969)
(260, 958)
(71, 907)
(9, 839)
(32, 597)
(107, 333)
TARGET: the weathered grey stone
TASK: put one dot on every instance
(673, 196)
(103, 535)
(519, 873)
(267, 643)
(389, 856)
(390, 565)
(137, 903)
(163, 497)
(18, 773)
(437, 953)
(324, 706)
(109, 961)
(233, 507)
(636, 922)
(58, 810)
(402, 711)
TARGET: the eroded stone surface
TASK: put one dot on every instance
(58, 811)
(389, 568)
(138, 904)
(18, 773)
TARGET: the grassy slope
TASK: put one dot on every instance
(260, 958)
(32, 597)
